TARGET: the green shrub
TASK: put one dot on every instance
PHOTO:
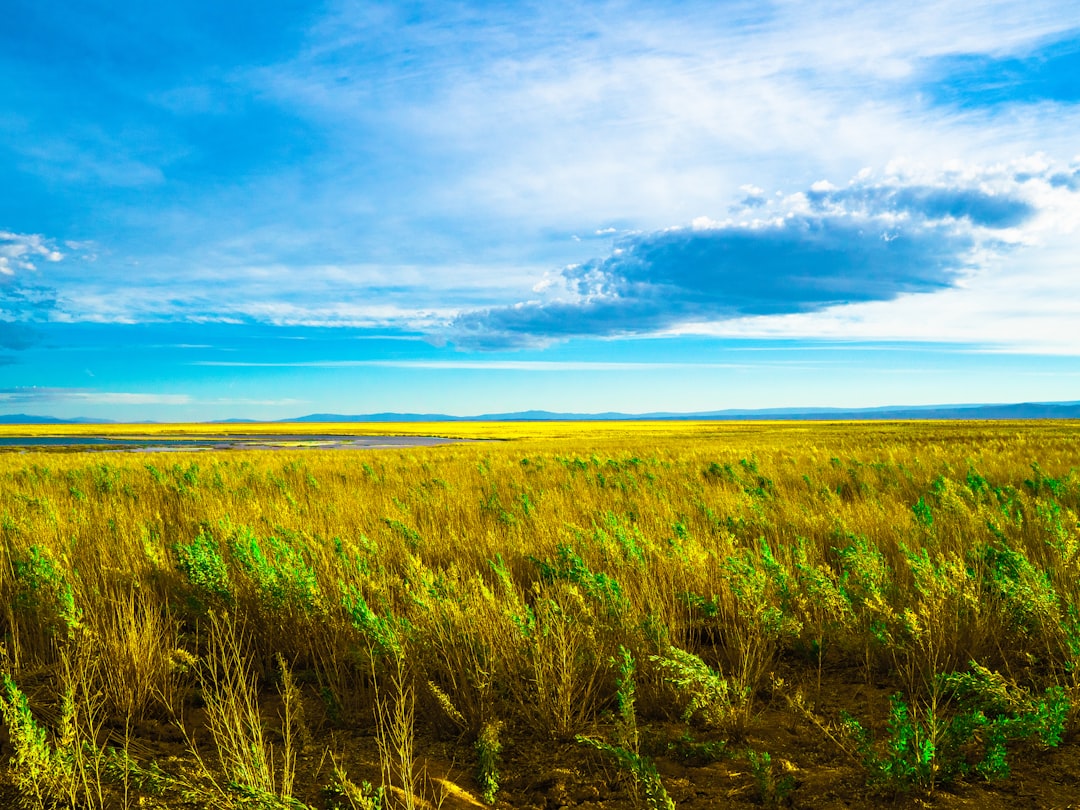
(205, 570)
(488, 748)
(708, 696)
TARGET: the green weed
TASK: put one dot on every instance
(488, 748)
(770, 789)
(707, 696)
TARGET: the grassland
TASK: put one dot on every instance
(594, 614)
(498, 431)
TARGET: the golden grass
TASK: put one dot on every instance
(499, 582)
(551, 430)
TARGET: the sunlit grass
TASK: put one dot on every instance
(768, 431)
(499, 584)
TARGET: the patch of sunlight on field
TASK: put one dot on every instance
(769, 432)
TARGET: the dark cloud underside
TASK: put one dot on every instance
(655, 281)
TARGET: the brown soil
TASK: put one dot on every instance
(552, 774)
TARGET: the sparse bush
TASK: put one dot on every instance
(707, 696)
(488, 748)
(771, 789)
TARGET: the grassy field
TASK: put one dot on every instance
(498, 431)
(581, 614)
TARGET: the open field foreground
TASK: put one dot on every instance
(582, 615)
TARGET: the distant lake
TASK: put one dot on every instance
(150, 444)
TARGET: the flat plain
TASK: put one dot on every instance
(595, 614)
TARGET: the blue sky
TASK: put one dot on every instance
(270, 209)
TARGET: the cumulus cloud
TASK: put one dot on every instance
(871, 240)
(20, 251)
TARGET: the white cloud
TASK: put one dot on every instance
(496, 133)
(22, 251)
(656, 117)
(1005, 308)
(232, 290)
(488, 365)
(286, 402)
(89, 397)
(971, 253)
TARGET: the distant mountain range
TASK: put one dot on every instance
(1024, 410)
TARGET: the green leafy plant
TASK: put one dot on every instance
(923, 516)
(206, 571)
(62, 768)
(820, 599)
(383, 632)
(1005, 712)
(121, 767)
(32, 766)
(282, 577)
(765, 619)
(570, 567)
(771, 790)
(867, 583)
(344, 794)
(44, 591)
(1026, 592)
(488, 748)
(708, 696)
(641, 768)
(702, 752)
(910, 756)
(625, 750)
(930, 745)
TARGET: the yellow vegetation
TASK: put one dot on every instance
(476, 584)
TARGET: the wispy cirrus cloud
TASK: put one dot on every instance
(873, 240)
(548, 114)
(477, 365)
(88, 396)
